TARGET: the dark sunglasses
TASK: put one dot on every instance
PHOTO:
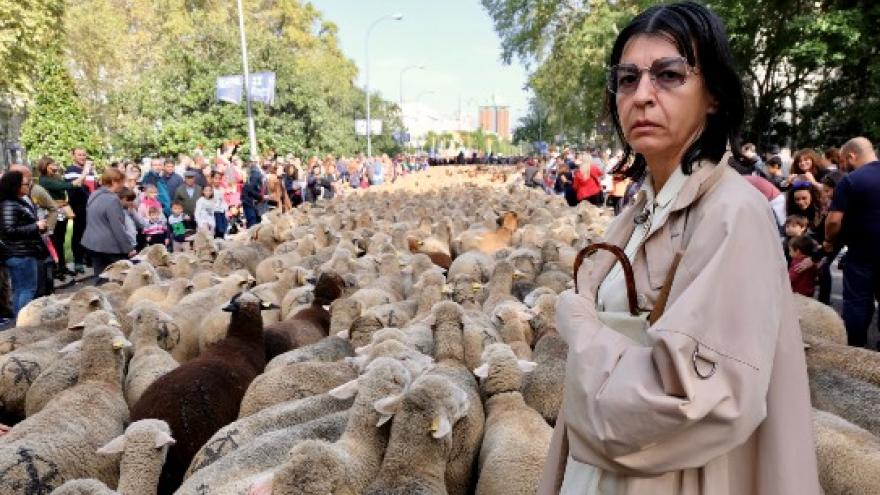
(666, 73)
(798, 184)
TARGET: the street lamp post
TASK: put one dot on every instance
(395, 17)
(252, 133)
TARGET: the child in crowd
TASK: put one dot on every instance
(803, 281)
(236, 221)
(774, 172)
(177, 227)
(149, 200)
(156, 231)
(206, 206)
(133, 222)
(795, 226)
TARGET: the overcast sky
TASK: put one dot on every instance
(453, 39)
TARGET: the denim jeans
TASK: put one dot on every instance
(251, 215)
(23, 277)
(861, 288)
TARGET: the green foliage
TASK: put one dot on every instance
(27, 28)
(790, 52)
(58, 120)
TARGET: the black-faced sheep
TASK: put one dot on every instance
(204, 394)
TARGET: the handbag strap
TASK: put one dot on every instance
(629, 277)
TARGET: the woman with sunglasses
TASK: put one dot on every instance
(713, 397)
(21, 242)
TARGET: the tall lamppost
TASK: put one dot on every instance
(394, 17)
(252, 133)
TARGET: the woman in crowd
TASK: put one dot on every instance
(54, 183)
(291, 184)
(21, 242)
(105, 235)
(805, 199)
(805, 168)
(328, 178)
(313, 184)
(712, 397)
(587, 182)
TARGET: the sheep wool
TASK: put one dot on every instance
(516, 437)
(421, 442)
(59, 443)
(848, 456)
(210, 388)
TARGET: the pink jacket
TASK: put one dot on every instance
(644, 412)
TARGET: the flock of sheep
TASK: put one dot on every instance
(399, 340)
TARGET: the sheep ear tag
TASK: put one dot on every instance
(440, 426)
(120, 342)
(115, 446)
(482, 371)
(345, 391)
(265, 306)
(526, 366)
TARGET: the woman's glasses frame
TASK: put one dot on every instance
(660, 67)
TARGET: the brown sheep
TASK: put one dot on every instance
(308, 325)
(204, 394)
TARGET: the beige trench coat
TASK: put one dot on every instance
(643, 412)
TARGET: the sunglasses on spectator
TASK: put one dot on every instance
(666, 74)
(801, 183)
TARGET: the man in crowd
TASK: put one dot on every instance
(173, 180)
(854, 221)
(188, 194)
(77, 198)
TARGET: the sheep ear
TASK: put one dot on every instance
(387, 407)
(441, 426)
(115, 446)
(482, 371)
(343, 335)
(71, 347)
(346, 390)
(262, 486)
(526, 366)
(163, 438)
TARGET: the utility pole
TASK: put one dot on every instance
(252, 132)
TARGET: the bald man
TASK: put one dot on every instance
(854, 220)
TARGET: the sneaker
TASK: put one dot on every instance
(79, 269)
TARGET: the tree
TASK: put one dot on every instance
(58, 120)
(27, 28)
(802, 62)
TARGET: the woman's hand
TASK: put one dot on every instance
(42, 225)
(576, 312)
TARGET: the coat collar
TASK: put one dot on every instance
(704, 176)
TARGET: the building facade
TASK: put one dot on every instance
(495, 119)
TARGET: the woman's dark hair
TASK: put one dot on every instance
(813, 211)
(10, 185)
(832, 179)
(43, 165)
(700, 37)
(126, 194)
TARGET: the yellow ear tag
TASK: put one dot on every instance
(435, 425)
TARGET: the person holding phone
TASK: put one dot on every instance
(21, 244)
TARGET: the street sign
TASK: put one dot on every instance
(230, 88)
(360, 127)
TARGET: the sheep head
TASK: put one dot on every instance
(85, 301)
(433, 404)
(116, 271)
(313, 466)
(151, 325)
(328, 288)
(501, 371)
(144, 436)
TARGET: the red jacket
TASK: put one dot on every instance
(587, 186)
(804, 282)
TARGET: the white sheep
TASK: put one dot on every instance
(58, 444)
(848, 456)
(153, 333)
(143, 446)
(516, 438)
